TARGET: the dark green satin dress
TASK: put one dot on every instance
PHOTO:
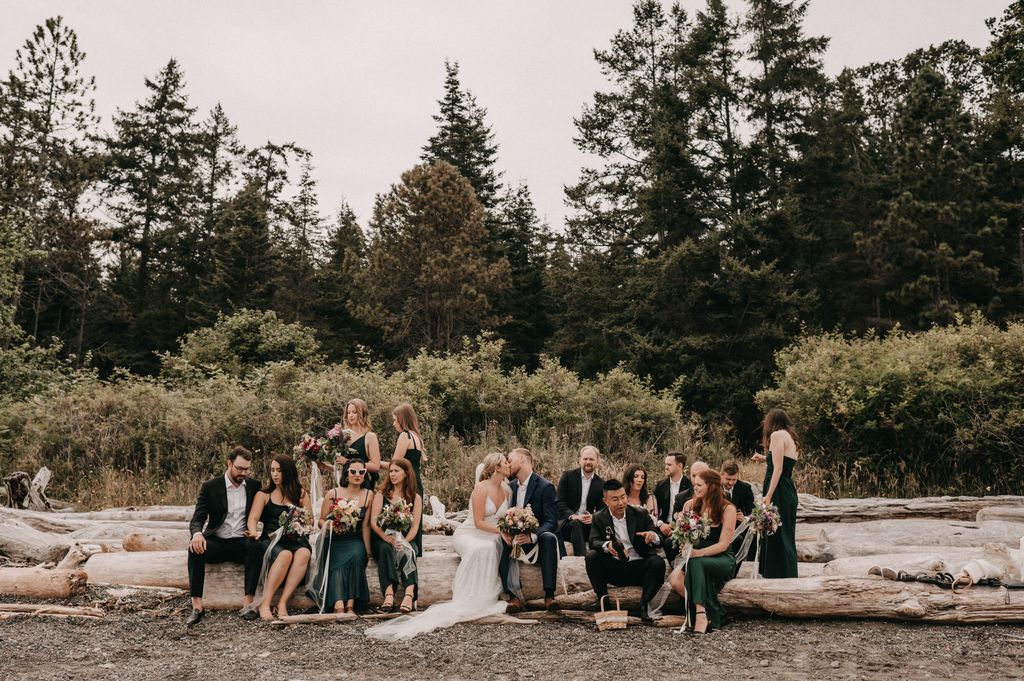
(414, 454)
(704, 578)
(778, 551)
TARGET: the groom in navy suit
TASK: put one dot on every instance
(530, 489)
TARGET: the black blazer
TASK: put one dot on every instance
(637, 520)
(681, 499)
(540, 497)
(212, 504)
(661, 492)
(743, 497)
(570, 488)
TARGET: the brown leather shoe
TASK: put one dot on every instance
(514, 605)
(551, 605)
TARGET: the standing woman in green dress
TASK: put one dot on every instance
(410, 448)
(364, 440)
(778, 551)
(711, 562)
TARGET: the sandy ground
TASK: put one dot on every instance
(146, 639)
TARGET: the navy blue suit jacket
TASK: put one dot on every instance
(540, 496)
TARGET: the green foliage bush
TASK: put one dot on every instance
(162, 431)
(239, 342)
(937, 411)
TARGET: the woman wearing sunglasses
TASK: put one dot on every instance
(343, 556)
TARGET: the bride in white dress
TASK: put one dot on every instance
(476, 589)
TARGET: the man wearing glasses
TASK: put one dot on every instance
(223, 506)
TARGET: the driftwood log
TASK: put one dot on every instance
(1013, 514)
(814, 509)
(912, 532)
(41, 583)
(930, 559)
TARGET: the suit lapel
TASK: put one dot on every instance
(531, 487)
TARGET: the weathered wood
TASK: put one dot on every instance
(325, 618)
(1013, 514)
(814, 509)
(156, 540)
(70, 522)
(871, 598)
(41, 583)
(37, 609)
(22, 543)
(934, 559)
(912, 532)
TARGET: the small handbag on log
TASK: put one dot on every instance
(611, 619)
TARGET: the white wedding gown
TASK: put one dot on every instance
(476, 589)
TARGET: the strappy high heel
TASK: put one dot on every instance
(411, 598)
(389, 600)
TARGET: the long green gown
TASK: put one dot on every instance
(414, 454)
(388, 573)
(704, 578)
(778, 551)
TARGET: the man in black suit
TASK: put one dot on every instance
(579, 494)
(218, 529)
(667, 490)
(530, 489)
(623, 548)
(741, 494)
(678, 501)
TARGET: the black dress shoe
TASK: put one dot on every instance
(195, 618)
(250, 615)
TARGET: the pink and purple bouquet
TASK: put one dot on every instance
(518, 520)
(689, 528)
(765, 519)
(396, 516)
(344, 516)
(297, 522)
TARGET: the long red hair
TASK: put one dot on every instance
(713, 503)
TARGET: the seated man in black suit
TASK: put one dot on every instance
(741, 494)
(223, 507)
(580, 493)
(666, 491)
(678, 500)
(623, 548)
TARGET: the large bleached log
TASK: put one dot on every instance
(871, 598)
(22, 543)
(1013, 514)
(71, 522)
(224, 584)
(934, 559)
(156, 540)
(912, 532)
(816, 509)
(41, 583)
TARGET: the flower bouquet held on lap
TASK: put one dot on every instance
(687, 530)
(296, 522)
(764, 520)
(344, 516)
(396, 519)
(516, 521)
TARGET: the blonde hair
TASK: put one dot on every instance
(362, 412)
(523, 452)
(406, 417)
(490, 465)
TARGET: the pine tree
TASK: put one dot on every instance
(153, 192)
(301, 249)
(47, 165)
(464, 139)
(428, 283)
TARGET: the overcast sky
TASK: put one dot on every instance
(357, 82)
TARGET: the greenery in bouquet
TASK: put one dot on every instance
(397, 516)
(765, 519)
(343, 517)
(297, 522)
(689, 528)
(518, 520)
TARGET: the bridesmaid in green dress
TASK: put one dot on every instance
(396, 570)
(364, 440)
(343, 563)
(778, 551)
(711, 562)
(410, 448)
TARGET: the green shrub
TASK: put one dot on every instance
(937, 411)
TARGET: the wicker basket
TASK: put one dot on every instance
(610, 619)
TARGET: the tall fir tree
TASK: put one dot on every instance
(464, 139)
(427, 282)
(152, 191)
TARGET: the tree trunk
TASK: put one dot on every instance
(816, 509)
(1011, 514)
(41, 583)
(911, 532)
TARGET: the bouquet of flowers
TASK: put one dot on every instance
(344, 516)
(338, 438)
(518, 520)
(311, 448)
(297, 522)
(689, 528)
(765, 519)
(396, 517)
